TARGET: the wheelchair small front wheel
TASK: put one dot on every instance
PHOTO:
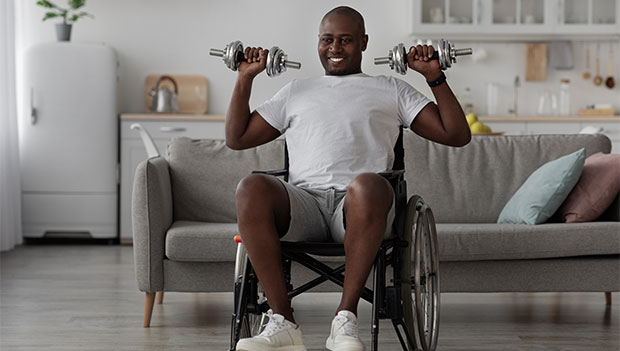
(420, 290)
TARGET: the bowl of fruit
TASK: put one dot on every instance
(477, 127)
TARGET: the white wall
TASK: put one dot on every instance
(165, 36)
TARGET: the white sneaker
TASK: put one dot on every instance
(344, 333)
(278, 335)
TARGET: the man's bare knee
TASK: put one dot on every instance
(263, 197)
(371, 188)
(253, 187)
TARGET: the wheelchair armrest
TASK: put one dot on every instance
(275, 172)
(389, 175)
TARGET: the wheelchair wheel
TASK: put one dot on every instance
(251, 321)
(420, 290)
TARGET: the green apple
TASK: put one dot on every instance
(487, 129)
(477, 127)
(471, 118)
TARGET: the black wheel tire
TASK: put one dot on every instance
(420, 290)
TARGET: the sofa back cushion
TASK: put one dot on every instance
(473, 183)
(204, 175)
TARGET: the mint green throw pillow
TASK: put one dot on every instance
(544, 190)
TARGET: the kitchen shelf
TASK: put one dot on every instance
(171, 117)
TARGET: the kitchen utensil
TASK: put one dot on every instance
(598, 80)
(535, 62)
(492, 97)
(547, 104)
(164, 99)
(192, 92)
(586, 74)
(609, 82)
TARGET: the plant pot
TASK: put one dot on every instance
(63, 32)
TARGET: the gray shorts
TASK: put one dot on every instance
(318, 215)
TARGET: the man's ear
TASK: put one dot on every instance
(364, 42)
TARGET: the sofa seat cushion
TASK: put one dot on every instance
(491, 241)
(191, 241)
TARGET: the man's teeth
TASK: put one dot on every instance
(336, 59)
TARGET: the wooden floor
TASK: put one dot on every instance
(85, 297)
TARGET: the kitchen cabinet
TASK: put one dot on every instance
(556, 125)
(162, 128)
(515, 19)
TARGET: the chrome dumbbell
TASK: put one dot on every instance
(444, 52)
(277, 60)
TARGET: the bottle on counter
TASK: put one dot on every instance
(564, 97)
(467, 101)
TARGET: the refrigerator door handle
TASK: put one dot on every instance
(33, 110)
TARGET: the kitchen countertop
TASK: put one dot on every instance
(549, 118)
(203, 117)
(171, 117)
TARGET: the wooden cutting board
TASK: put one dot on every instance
(535, 62)
(192, 96)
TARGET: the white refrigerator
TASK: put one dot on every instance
(69, 141)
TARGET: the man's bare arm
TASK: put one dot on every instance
(245, 129)
(445, 121)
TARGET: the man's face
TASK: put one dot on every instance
(341, 42)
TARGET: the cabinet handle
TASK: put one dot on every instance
(172, 129)
(33, 110)
(479, 12)
(560, 12)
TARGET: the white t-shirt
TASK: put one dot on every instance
(340, 126)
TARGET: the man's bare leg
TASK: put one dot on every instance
(263, 216)
(367, 204)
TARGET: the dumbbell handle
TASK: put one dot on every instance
(241, 57)
(457, 52)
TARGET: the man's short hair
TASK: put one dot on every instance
(350, 12)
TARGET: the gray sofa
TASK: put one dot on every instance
(184, 217)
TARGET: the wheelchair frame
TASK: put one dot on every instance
(411, 302)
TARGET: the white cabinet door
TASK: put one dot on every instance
(509, 128)
(514, 19)
(553, 127)
(587, 17)
(133, 152)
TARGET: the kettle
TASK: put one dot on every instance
(164, 99)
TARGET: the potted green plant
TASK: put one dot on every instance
(69, 16)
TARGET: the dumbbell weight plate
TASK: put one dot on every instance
(233, 55)
(399, 59)
(277, 62)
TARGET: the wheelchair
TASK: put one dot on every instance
(411, 297)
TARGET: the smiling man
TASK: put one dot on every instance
(341, 129)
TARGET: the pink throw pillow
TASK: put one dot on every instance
(595, 191)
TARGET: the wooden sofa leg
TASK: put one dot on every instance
(608, 298)
(149, 301)
(160, 297)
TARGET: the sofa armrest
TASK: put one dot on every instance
(151, 212)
